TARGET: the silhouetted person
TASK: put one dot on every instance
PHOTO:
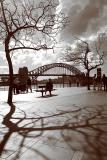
(94, 82)
(16, 85)
(104, 81)
(99, 83)
(49, 86)
(29, 84)
(77, 81)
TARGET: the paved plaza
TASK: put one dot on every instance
(69, 125)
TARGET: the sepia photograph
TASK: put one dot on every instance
(53, 79)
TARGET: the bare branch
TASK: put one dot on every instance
(28, 25)
(84, 55)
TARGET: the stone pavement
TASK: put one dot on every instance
(70, 125)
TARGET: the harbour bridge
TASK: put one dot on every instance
(55, 69)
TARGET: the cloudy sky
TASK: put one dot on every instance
(87, 19)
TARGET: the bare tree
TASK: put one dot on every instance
(28, 25)
(88, 56)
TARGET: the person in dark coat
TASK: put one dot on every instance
(49, 86)
(16, 83)
(94, 82)
(29, 84)
(104, 81)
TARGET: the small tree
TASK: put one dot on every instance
(27, 25)
(85, 56)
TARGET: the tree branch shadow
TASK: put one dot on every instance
(81, 129)
(90, 134)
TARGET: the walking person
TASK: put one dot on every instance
(104, 81)
(77, 81)
(99, 83)
(94, 82)
(16, 83)
(29, 84)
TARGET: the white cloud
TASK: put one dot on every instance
(86, 17)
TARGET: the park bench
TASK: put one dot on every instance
(42, 89)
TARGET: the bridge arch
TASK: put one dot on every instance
(40, 70)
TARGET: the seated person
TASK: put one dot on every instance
(49, 86)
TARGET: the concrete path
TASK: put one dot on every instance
(70, 125)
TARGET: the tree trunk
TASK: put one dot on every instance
(10, 91)
(88, 80)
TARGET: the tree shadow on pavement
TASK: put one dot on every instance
(81, 129)
(89, 134)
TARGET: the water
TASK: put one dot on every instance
(4, 88)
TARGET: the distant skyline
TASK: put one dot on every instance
(87, 19)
